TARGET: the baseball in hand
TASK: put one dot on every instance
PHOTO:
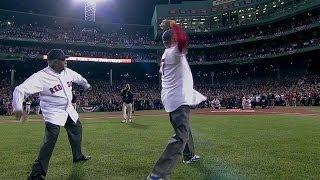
(166, 24)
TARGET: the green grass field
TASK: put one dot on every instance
(231, 147)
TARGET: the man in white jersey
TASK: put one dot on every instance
(177, 95)
(28, 106)
(54, 85)
(246, 103)
(37, 104)
(215, 104)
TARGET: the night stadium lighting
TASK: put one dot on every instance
(94, 0)
(90, 59)
(90, 9)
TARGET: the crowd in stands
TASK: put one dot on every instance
(296, 23)
(5, 96)
(289, 91)
(107, 96)
(77, 34)
(37, 52)
(127, 37)
(223, 54)
(250, 52)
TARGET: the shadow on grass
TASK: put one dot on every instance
(77, 172)
(214, 172)
(139, 171)
(208, 173)
(137, 126)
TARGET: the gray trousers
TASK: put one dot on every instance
(74, 131)
(180, 144)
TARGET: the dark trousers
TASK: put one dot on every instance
(74, 131)
(180, 144)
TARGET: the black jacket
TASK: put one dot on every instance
(127, 96)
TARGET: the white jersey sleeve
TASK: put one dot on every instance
(172, 55)
(78, 79)
(30, 86)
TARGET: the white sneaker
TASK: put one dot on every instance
(124, 121)
(193, 159)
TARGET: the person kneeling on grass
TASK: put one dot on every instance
(177, 96)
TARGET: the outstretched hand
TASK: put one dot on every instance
(167, 24)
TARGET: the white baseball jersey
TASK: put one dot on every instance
(55, 91)
(177, 81)
(215, 102)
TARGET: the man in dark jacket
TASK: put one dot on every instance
(127, 98)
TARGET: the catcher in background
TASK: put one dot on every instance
(127, 99)
(28, 105)
(246, 103)
(215, 104)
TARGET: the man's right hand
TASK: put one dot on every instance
(166, 24)
(20, 116)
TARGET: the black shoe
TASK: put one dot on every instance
(82, 159)
(39, 177)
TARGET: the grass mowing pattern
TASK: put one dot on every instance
(231, 147)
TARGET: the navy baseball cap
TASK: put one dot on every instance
(57, 54)
(167, 36)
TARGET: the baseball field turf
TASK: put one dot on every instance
(261, 146)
